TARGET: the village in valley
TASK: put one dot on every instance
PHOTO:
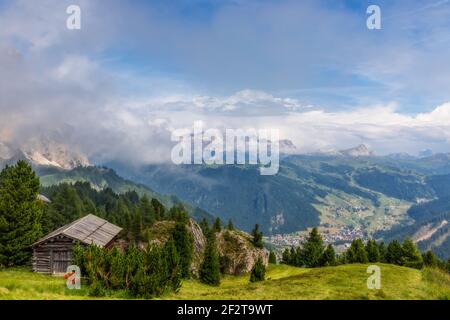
(341, 238)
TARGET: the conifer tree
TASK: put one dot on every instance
(357, 252)
(286, 257)
(185, 247)
(230, 225)
(394, 253)
(430, 259)
(328, 257)
(373, 253)
(382, 251)
(210, 267)
(173, 264)
(411, 256)
(217, 227)
(258, 272)
(20, 213)
(272, 258)
(159, 209)
(257, 237)
(204, 225)
(313, 249)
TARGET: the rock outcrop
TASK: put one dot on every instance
(236, 251)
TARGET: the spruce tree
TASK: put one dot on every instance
(286, 256)
(257, 237)
(298, 257)
(210, 267)
(430, 259)
(328, 257)
(382, 251)
(357, 252)
(173, 265)
(373, 253)
(258, 272)
(313, 249)
(20, 213)
(184, 244)
(217, 227)
(159, 209)
(272, 258)
(204, 225)
(147, 211)
(230, 225)
(411, 256)
(394, 253)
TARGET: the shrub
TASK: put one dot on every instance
(258, 272)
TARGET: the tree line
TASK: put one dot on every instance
(144, 272)
(313, 253)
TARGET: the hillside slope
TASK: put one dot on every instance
(283, 282)
(330, 191)
(102, 177)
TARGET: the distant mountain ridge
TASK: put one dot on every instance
(348, 188)
(44, 153)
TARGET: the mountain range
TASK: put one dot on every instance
(384, 196)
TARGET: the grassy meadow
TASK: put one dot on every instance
(282, 282)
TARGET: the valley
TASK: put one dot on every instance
(350, 194)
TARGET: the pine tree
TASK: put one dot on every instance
(293, 256)
(299, 257)
(373, 253)
(382, 251)
(217, 227)
(411, 256)
(230, 225)
(257, 237)
(394, 253)
(185, 247)
(313, 249)
(159, 209)
(258, 272)
(147, 212)
(272, 258)
(20, 213)
(204, 225)
(328, 257)
(210, 267)
(357, 252)
(173, 264)
(286, 256)
(430, 259)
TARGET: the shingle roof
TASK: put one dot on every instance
(89, 229)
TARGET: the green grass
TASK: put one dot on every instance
(282, 282)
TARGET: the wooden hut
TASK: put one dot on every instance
(53, 253)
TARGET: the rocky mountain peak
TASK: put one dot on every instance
(360, 151)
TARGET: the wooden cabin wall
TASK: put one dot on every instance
(53, 255)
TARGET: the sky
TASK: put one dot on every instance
(136, 70)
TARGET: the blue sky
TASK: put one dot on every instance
(311, 68)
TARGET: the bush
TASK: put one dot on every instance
(142, 273)
(272, 258)
(258, 272)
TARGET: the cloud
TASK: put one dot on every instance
(117, 88)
